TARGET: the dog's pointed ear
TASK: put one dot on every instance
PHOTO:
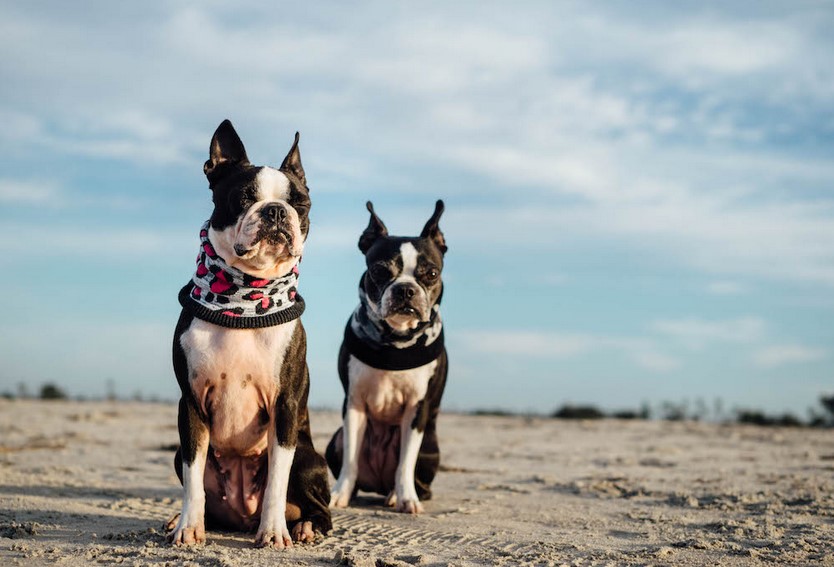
(225, 149)
(292, 163)
(432, 229)
(376, 229)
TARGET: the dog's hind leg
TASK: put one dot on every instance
(428, 459)
(309, 493)
(333, 453)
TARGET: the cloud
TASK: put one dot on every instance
(526, 343)
(779, 355)
(111, 243)
(695, 332)
(735, 49)
(655, 361)
(552, 345)
(791, 242)
(29, 192)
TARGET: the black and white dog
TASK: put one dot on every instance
(393, 367)
(246, 457)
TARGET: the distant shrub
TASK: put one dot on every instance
(578, 412)
(493, 412)
(828, 403)
(671, 411)
(52, 392)
(627, 414)
(755, 417)
(788, 420)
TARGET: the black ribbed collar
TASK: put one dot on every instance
(374, 343)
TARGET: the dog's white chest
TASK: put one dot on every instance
(385, 394)
(234, 376)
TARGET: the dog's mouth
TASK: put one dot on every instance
(403, 319)
(405, 309)
(274, 236)
(283, 234)
(403, 316)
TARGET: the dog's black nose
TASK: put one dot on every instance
(404, 291)
(274, 213)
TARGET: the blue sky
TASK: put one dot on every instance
(640, 195)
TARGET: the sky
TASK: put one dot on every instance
(639, 195)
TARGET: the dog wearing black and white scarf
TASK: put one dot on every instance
(393, 367)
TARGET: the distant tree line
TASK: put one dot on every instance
(699, 411)
(668, 411)
(48, 391)
(51, 391)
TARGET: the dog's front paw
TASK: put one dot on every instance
(409, 506)
(405, 502)
(340, 496)
(184, 532)
(274, 534)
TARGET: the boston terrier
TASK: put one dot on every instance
(246, 457)
(393, 367)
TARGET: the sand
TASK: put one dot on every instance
(93, 483)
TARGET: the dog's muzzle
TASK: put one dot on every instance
(275, 225)
(406, 299)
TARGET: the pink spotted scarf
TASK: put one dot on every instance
(228, 297)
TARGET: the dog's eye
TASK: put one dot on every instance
(431, 274)
(379, 272)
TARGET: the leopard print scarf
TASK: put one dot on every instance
(228, 297)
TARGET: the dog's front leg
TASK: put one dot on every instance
(353, 434)
(282, 440)
(405, 494)
(194, 442)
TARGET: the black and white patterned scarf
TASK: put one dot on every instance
(373, 342)
(228, 297)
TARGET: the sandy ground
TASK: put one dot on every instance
(92, 483)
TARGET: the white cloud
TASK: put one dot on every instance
(695, 332)
(526, 343)
(656, 362)
(551, 345)
(29, 192)
(735, 49)
(778, 355)
(779, 241)
(417, 57)
(103, 242)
